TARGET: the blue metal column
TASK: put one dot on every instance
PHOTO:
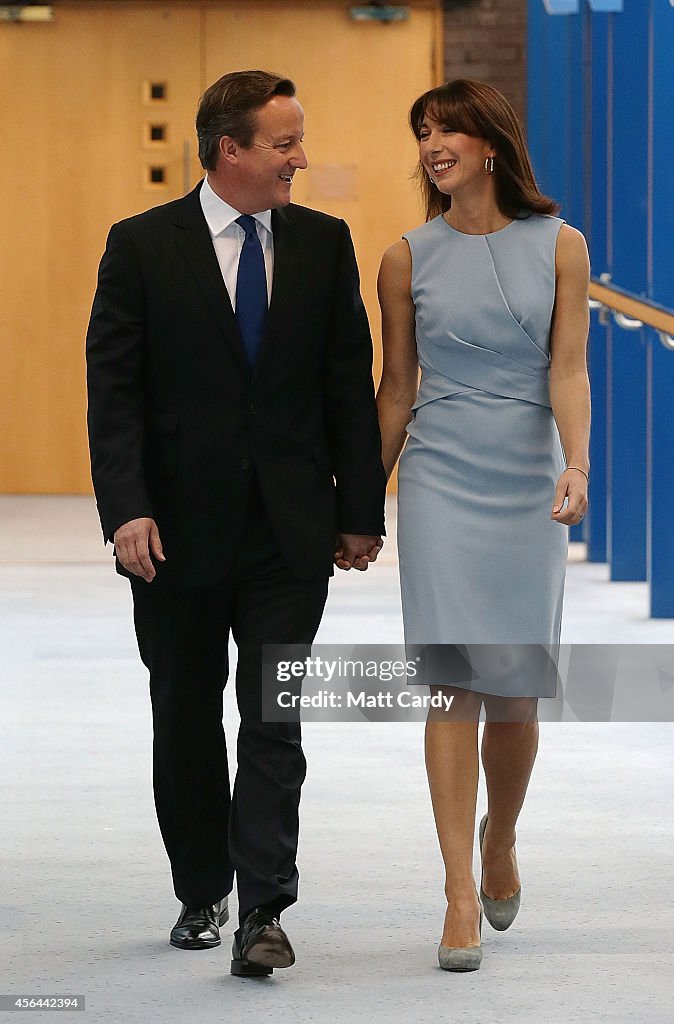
(598, 32)
(661, 289)
(556, 111)
(537, 86)
(574, 135)
(574, 208)
(548, 101)
(627, 487)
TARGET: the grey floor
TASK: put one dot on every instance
(85, 893)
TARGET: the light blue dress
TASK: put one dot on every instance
(481, 562)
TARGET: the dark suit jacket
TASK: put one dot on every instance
(177, 420)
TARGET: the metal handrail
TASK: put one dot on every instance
(632, 312)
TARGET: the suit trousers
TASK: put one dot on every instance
(183, 635)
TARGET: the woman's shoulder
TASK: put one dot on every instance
(396, 262)
(571, 252)
(548, 221)
(542, 221)
(549, 230)
(423, 230)
(570, 236)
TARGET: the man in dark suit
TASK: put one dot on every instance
(235, 455)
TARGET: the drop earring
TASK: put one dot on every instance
(489, 165)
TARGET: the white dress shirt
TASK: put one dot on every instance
(228, 238)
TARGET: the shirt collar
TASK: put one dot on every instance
(219, 214)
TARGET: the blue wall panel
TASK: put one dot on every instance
(556, 116)
(661, 289)
(573, 209)
(537, 84)
(627, 420)
(575, 157)
(613, 81)
(548, 100)
(596, 135)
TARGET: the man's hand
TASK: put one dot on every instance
(357, 550)
(133, 542)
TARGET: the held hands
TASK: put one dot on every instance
(357, 550)
(572, 485)
(136, 539)
(133, 543)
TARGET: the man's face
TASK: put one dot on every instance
(265, 170)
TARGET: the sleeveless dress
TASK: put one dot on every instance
(481, 562)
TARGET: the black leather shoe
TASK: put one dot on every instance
(260, 944)
(199, 929)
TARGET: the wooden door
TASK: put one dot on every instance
(77, 113)
(97, 123)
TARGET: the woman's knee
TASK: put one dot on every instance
(457, 705)
(511, 709)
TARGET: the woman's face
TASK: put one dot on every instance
(452, 159)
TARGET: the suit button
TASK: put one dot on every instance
(251, 408)
(245, 463)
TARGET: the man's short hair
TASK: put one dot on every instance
(229, 107)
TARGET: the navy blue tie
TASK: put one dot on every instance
(251, 289)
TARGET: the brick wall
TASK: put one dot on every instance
(486, 39)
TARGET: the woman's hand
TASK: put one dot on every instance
(572, 485)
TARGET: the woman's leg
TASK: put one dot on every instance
(509, 745)
(452, 764)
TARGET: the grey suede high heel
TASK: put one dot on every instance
(461, 958)
(499, 913)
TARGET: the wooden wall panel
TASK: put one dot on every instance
(73, 109)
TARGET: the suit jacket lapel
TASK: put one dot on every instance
(195, 244)
(287, 254)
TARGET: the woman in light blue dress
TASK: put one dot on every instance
(489, 298)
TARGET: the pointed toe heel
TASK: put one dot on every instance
(460, 959)
(499, 913)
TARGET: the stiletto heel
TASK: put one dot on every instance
(499, 913)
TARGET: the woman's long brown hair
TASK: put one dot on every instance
(475, 108)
